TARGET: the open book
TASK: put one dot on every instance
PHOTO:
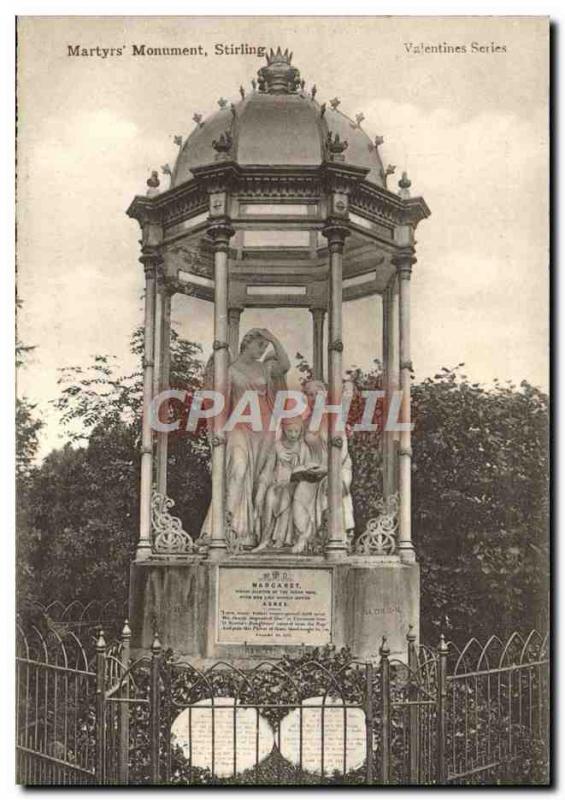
(309, 472)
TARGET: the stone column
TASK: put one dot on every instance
(157, 361)
(318, 315)
(336, 547)
(220, 232)
(151, 260)
(403, 261)
(234, 315)
(163, 382)
(390, 383)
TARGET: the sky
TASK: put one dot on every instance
(470, 128)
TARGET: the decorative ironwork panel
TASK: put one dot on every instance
(379, 537)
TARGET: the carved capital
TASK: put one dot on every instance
(151, 258)
(220, 232)
(337, 441)
(234, 313)
(406, 365)
(217, 345)
(405, 451)
(336, 233)
(336, 345)
(318, 314)
(217, 440)
(403, 260)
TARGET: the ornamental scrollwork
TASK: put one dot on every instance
(379, 537)
(168, 533)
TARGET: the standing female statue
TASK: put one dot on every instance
(310, 499)
(248, 451)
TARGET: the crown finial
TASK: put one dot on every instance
(279, 76)
(335, 102)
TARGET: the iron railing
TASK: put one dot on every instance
(92, 714)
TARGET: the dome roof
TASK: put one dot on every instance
(276, 125)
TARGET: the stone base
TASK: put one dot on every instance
(246, 608)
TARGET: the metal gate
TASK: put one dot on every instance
(446, 716)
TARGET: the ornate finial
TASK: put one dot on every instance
(178, 140)
(379, 140)
(335, 147)
(404, 184)
(388, 171)
(156, 646)
(222, 102)
(279, 77)
(359, 119)
(222, 145)
(242, 92)
(314, 91)
(166, 169)
(253, 84)
(443, 648)
(153, 184)
(384, 649)
(126, 630)
(198, 119)
(100, 642)
(334, 103)
(411, 636)
(322, 109)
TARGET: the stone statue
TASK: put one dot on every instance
(248, 451)
(276, 486)
(310, 499)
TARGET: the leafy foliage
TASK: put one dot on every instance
(480, 493)
(83, 501)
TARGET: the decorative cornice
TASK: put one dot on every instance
(385, 206)
(340, 177)
(217, 177)
(145, 210)
(274, 182)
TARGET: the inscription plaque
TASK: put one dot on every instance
(287, 606)
(224, 738)
(338, 733)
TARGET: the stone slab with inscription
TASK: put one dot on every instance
(224, 739)
(290, 606)
(337, 733)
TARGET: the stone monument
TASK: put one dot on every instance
(277, 201)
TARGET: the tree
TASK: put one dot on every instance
(84, 499)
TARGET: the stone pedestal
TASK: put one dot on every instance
(245, 608)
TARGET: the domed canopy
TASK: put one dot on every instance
(278, 124)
